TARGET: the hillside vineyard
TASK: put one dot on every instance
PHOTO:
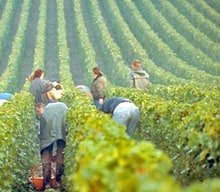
(176, 146)
(177, 42)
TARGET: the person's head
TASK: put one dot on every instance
(97, 72)
(55, 92)
(136, 64)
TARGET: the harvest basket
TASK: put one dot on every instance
(37, 180)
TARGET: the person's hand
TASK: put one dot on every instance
(101, 101)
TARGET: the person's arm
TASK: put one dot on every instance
(131, 79)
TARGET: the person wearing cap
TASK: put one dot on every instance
(98, 86)
(123, 111)
(52, 136)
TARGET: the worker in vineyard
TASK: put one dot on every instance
(98, 86)
(138, 78)
(4, 97)
(123, 111)
(39, 86)
(53, 131)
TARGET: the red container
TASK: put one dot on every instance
(37, 180)
(37, 183)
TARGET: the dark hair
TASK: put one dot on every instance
(38, 73)
(97, 71)
(58, 87)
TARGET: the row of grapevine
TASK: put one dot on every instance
(170, 50)
(2, 6)
(9, 77)
(29, 44)
(65, 74)
(187, 129)
(99, 153)
(198, 20)
(188, 93)
(129, 44)
(184, 49)
(159, 51)
(112, 52)
(214, 4)
(78, 65)
(40, 41)
(102, 158)
(5, 25)
(89, 52)
(90, 133)
(207, 11)
(18, 141)
(101, 51)
(73, 36)
(186, 29)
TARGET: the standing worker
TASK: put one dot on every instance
(98, 86)
(53, 131)
(138, 78)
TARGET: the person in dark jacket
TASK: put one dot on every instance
(123, 111)
(98, 87)
(53, 131)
